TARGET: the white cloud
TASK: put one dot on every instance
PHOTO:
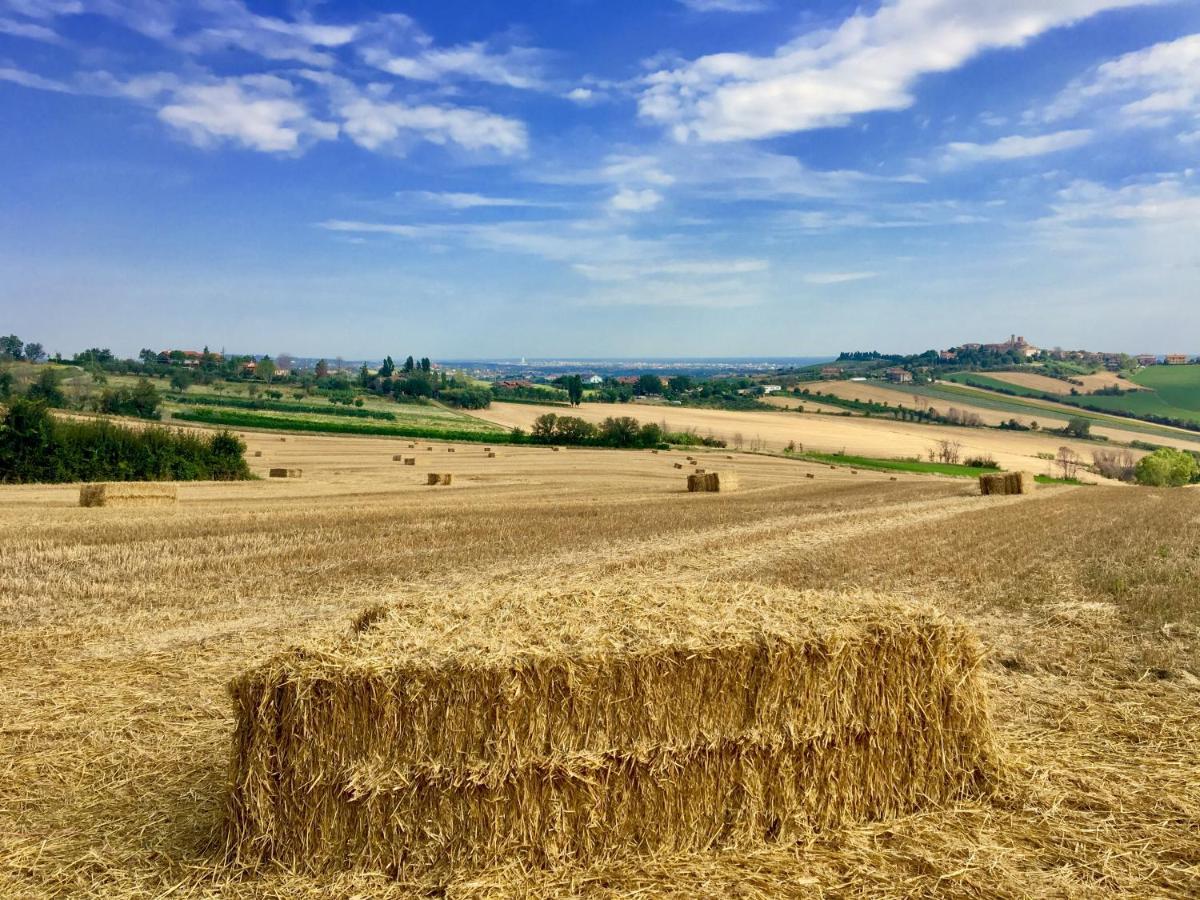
(837, 277)
(31, 30)
(731, 6)
(354, 227)
(472, 201)
(580, 95)
(1171, 201)
(684, 268)
(1014, 147)
(31, 80)
(397, 45)
(257, 111)
(378, 124)
(869, 63)
(1148, 87)
(633, 200)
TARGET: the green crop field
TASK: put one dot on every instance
(1178, 386)
(1174, 393)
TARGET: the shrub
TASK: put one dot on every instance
(1118, 464)
(1167, 467)
(980, 462)
(35, 447)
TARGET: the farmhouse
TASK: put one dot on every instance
(900, 376)
(1176, 359)
(772, 388)
(1147, 359)
(831, 372)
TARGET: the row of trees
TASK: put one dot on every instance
(12, 348)
(36, 447)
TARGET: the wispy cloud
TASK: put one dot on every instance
(837, 277)
(869, 63)
(31, 30)
(726, 6)
(1146, 87)
(1013, 147)
(31, 80)
(455, 200)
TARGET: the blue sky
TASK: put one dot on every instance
(599, 177)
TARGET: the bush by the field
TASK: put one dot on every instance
(36, 447)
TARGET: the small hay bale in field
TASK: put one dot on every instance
(655, 452)
(410, 460)
(429, 449)
(699, 471)
(677, 465)
(809, 475)
(128, 493)
(555, 449)
(539, 729)
(892, 478)
(439, 478)
(397, 457)
(412, 446)
(854, 471)
(487, 449)
(491, 455)
(449, 449)
(283, 439)
(713, 482)
(258, 453)
(833, 467)
(285, 473)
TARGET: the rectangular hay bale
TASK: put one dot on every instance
(713, 481)
(1006, 483)
(439, 478)
(564, 728)
(285, 473)
(410, 460)
(128, 493)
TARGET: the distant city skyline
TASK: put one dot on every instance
(668, 179)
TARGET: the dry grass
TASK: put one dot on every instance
(119, 633)
(127, 493)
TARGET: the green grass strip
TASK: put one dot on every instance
(897, 465)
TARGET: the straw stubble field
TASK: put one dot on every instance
(120, 630)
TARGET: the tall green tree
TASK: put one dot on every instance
(574, 386)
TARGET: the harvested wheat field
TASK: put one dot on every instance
(131, 769)
(855, 435)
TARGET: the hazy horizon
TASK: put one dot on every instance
(676, 179)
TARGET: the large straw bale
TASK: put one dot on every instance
(713, 481)
(601, 722)
(285, 473)
(439, 478)
(397, 457)
(410, 460)
(491, 454)
(1006, 483)
(258, 453)
(128, 493)
(678, 465)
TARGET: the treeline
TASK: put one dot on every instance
(619, 431)
(36, 447)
